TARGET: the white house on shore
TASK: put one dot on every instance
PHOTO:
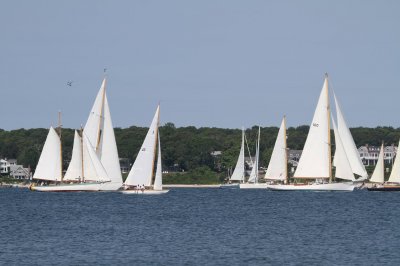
(11, 168)
(369, 154)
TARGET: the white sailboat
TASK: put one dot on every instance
(139, 180)
(252, 182)
(315, 162)
(277, 167)
(239, 173)
(378, 176)
(92, 167)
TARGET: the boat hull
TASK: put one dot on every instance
(384, 188)
(254, 186)
(313, 187)
(87, 187)
(145, 192)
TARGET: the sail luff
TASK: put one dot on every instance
(277, 167)
(378, 176)
(329, 129)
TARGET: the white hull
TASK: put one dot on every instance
(145, 192)
(254, 186)
(314, 187)
(78, 187)
(229, 185)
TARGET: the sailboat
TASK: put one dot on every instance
(94, 164)
(252, 182)
(277, 167)
(239, 173)
(140, 177)
(315, 162)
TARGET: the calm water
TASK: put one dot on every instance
(200, 227)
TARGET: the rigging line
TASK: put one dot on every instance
(248, 149)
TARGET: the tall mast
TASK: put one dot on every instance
(257, 154)
(83, 166)
(329, 129)
(243, 170)
(59, 134)
(286, 150)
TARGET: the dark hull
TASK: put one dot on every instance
(386, 188)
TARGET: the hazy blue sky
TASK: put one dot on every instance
(210, 63)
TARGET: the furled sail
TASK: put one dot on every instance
(341, 162)
(238, 173)
(315, 159)
(350, 148)
(49, 165)
(142, 170)
(277, 168)
(378, 176)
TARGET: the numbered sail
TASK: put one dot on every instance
(142, 170)
(238, 173)
(378, 176)
(277, 168)
(349, 146)
(158, 178)
(395, 174)
(341, 162)
(315, 159)
(49, 165)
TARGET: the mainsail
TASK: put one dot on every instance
(100, 133)
(340, 161)
(350, 148)
(315, 159)
(49, 165)
(254, 171)
(395, 174)
(378, 176)
(238, 173)
(277, 168)
(143, 167)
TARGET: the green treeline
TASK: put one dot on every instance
(185, 148)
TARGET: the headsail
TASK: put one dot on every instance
(350, 148)
(49, 165)
(378, 176)
(277, 168)
(395, 174)
(74, 171)
(238, 173)
(143, 167)
(341, 162)
(158, 178)
(315, 159)
(254, 171)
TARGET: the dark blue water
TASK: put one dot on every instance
(200, 227)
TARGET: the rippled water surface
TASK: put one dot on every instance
(200, 227)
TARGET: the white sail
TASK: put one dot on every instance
(341, 162)
(254, 171)
(100, 172)
(100, 133)
(74, 171)
(395, 174)
(378, 176)
(158, 178)
(277, 168)
(315, 159)
(49, 165)
(238, 173)
(350, 148)
(142, 170)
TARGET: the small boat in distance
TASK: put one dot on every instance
(140, 178)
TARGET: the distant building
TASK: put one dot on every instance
(11, 168)
(125, 165)
(369, 154)
(4, 167)
(216, 153)
(294, 157)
